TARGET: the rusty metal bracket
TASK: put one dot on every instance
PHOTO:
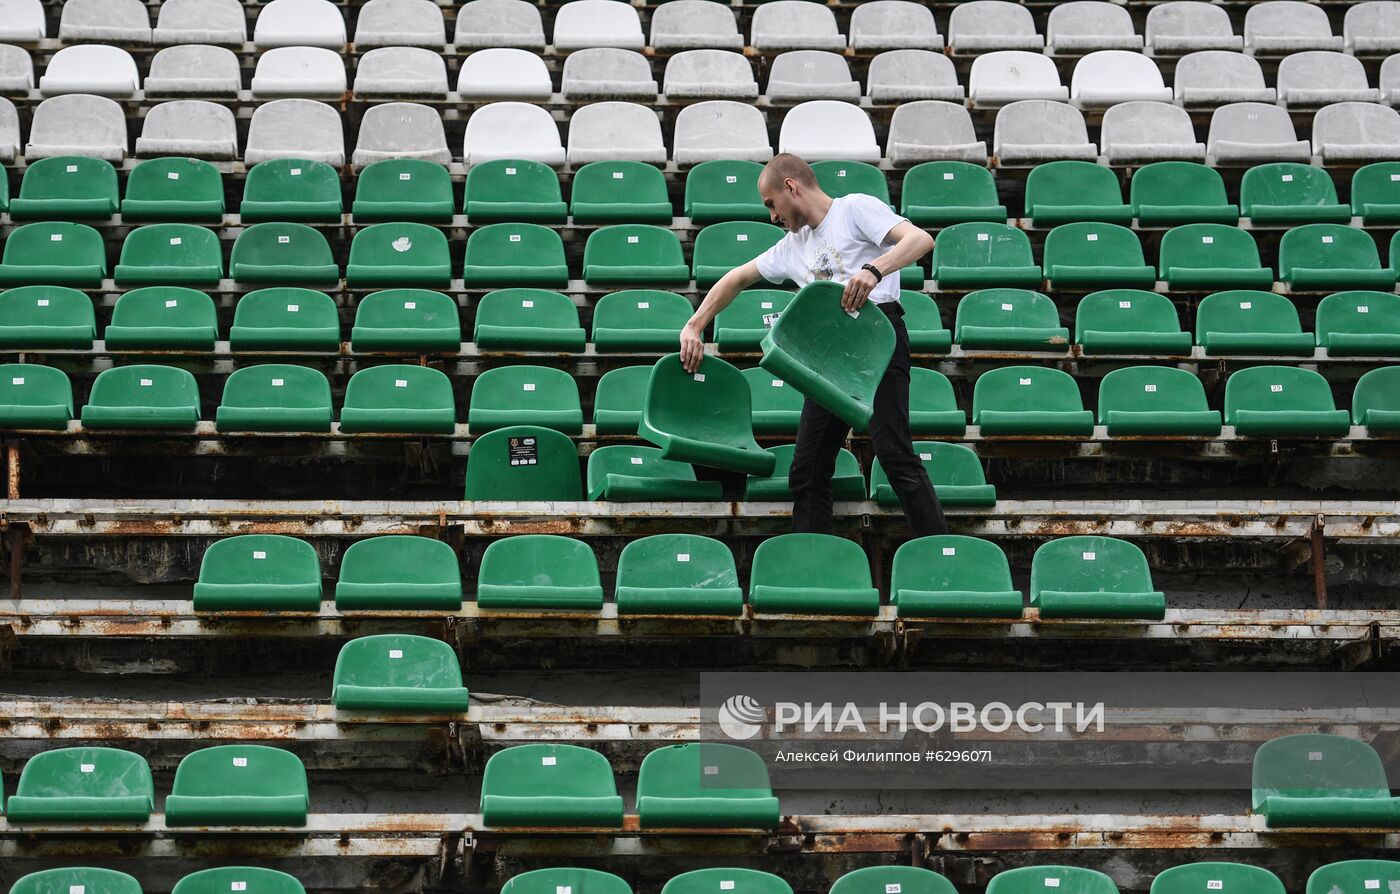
(449, 847)
(8, 643)
(12, 469)
(18, 533)
(918, 849)
(1319, 561)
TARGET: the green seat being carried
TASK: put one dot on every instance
(1375, 193)
(528, 320)
(984, 254)
(634, 253)
(677, 574)
(285, 318)
(399, 398)
(34, 396)
(640, 321)
(170, 254)
(724, 190)
(721, 247)
(1289, 192)
(952, 576)
(892, 880)
(174, 189)
(275, 397)
(74, 879)
(705, 785)
(777, 406)
(1204, 256)
(550, 785)
(940, 193)
(1094, 255)
(1314, 779)
(35, 317)
(259, 572)
(847, 482)
(620, 192)
(721, 436)
(1029, 400)
(523, 462)
(1094, 577)
(1066, 879)
(66, 187)
(726, 881)
(628, 473)
(403, 189)
(1376, 401)
(83, 785)
(742, 325)
(534, 571)
(1282, 400)
(399, 572)
(282, 254)
(525, 395)
(1354, 877)
(252, 879)
(391, 254)
(239, 785)
(1331, 256)
(1348, 323)
(1248, 321)
(416, 320)
(514, 254)
(54, 253)
(513, 191)
(618, 399)
(954, 470)
(142, 396)
(1062, 192)
(1155, 400)
(1168, 193)
(291, 189)
(1195, 878)
(923, 324)
(397, 672)
(1129, 321)
(1009, 320)
(162, 318)
(558, 879)
(811, 574)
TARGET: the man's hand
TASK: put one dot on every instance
(692, 348)
(858, 289)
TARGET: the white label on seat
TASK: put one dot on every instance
(892, 889)
(633, 240)
(1207, 240)
(1363, 309)
(925, 456)
(769, 320)
(527, 302)
(1150, 389)
(950, 550)
(401, 383)
(617, 175)
(1314, 755)
(17, 380)
(765, 305)
(548, 761)
(841, 173)
(1007, 307)
(1394, 178)
(777, 383)
(171, 175)
(238, 886)
(1246, 305)
(259, 554)
(699, 377)
(730, 178)
(405, 175)
(1092, 237)
(410, 305)
(278, 383)
(87, 768)
(293, 308)
(682, 557)
(741, 237)
(510, 172)
(1326, 240)
(240, 762)
(1218, 884)
(1125, 305)
(76, 889)
(396, 653)
(55, 237)
(712, 771)
(171, 303)
(726, 886)
(1025, 381)
(982, 237)
(1052, 883)
(514, 237)
(146, 383)
(176, 240)
(643, 305)
(563, 889)
(43, 302)
(636, 460)
(1089, 557)
(1372, 884)
(947, 175)
(296, 172)
(1275, 388)
(1287, 178)
(284, 240)
(528, 386)
(71, 169)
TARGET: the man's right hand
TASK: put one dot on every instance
(692, 348)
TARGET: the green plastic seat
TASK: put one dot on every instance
(630, 474)
(390, 254)
(282, 254)
(640, 320)
(721, 435)
(399, 398)
(847, 482)
(275, 397)
(1205, 256)
(142, 396)
(170, 254)
(892, 880)
(933, 407)
(92, 785)
(162, 318)
(924, 324)
(239, 785)
(1009, 320)
(253, 879)
(1129, 321)
(1376, 401)
(1315, 779)
(620, 192)
(403, 189)
(1348, 323)
(1094, 577)
(539, 571)
(1199, 878)
(1036, 879)
(54, 253)
(417, 320)
(677, 574)
(1282, 400)
(811, 574)
(940, 193)
(705, 785)
(285, 318)
(69, 880)
(291, 189)
(398, 672)
(525, 395)
(399, 571)
(726, 881)
(954, 470)
(1169, 193)
(741, 326)
(523, 462)
(1375, 193)
(67, 187)
(1322, 257)
(1093, 255)
(556, 880)
(842, 178)
(1071, 191)
(174, 189)
(512, 191)
(720, 247)
(259, 572)
(33, 317)
(1249, 321)
(550, 785)
(634, 253)
(514, 254)
(984, 254)
(777, 406)
(723, 190)
(1354, 877)
(528, 320)
(1288, 193)
(618, 399)
(1155, 400)
(34, 396)
(1029, 400)
(953, 576)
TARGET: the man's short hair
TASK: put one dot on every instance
(786, 166)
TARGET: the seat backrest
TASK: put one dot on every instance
(1144, 121)
(1285, 18)
(23, 20)
(1093, 244)
(399, 385)
(735, 242)
(1355, 124)
(401, 129)
(295, 128)
(1319, 69)
(397, 659)
(793, 18)
(691, 69)
(703, 770)
(698, 18)
(624, 388)
(299, 23)
(1375, 184)
(539, 560)
(1208, 245)
(1354, 876)
(55, 243)
(249, 878)
(91, 68)
(171, 246)
(989, 17)
(406, 308)
(1090, 564)
(532, 308)
(1072, 183)
(77, 124)
(189, 127)
(1359, 312)
(722, 182)
(949, 184)
(1147, 388)
(721, 129)
(1215, 70)
(633, 244)
(1327, 246)
(715, 881)
(104, 20)
(1188, 18)
(401, 70)
(949, 562)
(87, 772)
(1196, 877)
(518, 244)
(1245, 310)
(512, 130)
(688, 561)
(256, 770)
(511, 180)
(1276, 388)
(277, 385)
(809, 68)
(1039, 122)
(1286, 183)
(486, 71)
(284, 307)
(1025, 388)
(260, 558)
(201, 22)
(786, 560)
(66, 881)
(1115, 69)
(498, 466)
(841, 178)
(585, 23)
(1250, 122)
(289, 67)
(1125, 310)
(1089, 18)
(17, 69)
(25, 306)
(826, 128)
(525, 387)
(947, 464)
(281, 244)
(1317, 765)
(192, 67)
(891, 18)
(400, 559)
(145, 385)
(417, 23)
(598, 67)
(1176, 182)
(400, 245)
(1005, 307)
(932, 122)
(1035, 879)
(69, 177)
(552, 770)
(165, 307)
(291, 180)
(554, 879)
(910, 68)
(1008, 69)
(615, 126)
(750, 306)
(1371, 18)
(981, 244)
(499, 23)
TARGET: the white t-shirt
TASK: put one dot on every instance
(852, 234)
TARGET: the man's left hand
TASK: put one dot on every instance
(858, 289)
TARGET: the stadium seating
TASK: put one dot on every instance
(984, 254)
(673, 574)
(984, 25)
(1169, 193)
(46, 317)
(1089, 255)
(1195, 256)
(397, 672)
(1282, 400)
(1069, 879)
(894, 25)
(776, 405)
(399, 572)
(955, 471)
(1029, 400)
(1316, 779)
(513, 190)
(499, 23)
(1322, 257)
(908, 879)
(527, 320)
(1109, 77)
(291, 189)
(720, 130)
(223, 878)
(608, 72)
(545, 881)
(47, 881)
(1374, 403)
(391, 253)
(142, 396)
(827, 129)
(34, 396)
(549, 785)
(636, 320)
(1215, 876)
(282, 254)
(1144, 131)
(723, 437)
(952, 575)
(295, 128)
(523, 462)
(618, 399)
(1129, 321)
(514, 254)
(399, 398)
(173, 254)
(933, 130)
(285, 318)
(1008, 320)
(1069, 191)
(1289, 193)
(811, 574)
(847, 482)
(1031, 131)
(66, 188)
(400, 23)
(194, 69)
(403, 189)
(173, 189)
(1352, 875)
(1155, 400)
(704, 881)
(1358, 322)
(1246, 321)
(939, 193)
(619, 192)
(275, 397)
(525, 395)
(162, 318)
(539, 571)
(1084, 26)
(1375, 193)
(634, 254)
(253, 572)
(238, 785)
(1093, 577)
(88, 785)
(53, 253)
(406, 319)
(699, 784)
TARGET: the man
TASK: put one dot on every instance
(844, 240)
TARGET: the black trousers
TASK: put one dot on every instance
(820, 435)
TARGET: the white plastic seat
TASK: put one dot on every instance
(1215, 78)
(1390, 80)
(116, 21)
(1187, 26)
(1356, 132)
(827, 130)
(295, 128)
(1251, 132)
(91, 68)
(1036, 130)
(1318, 77)
(512, 130)
(615, 131)
(602, 72)
(903, 75)
(400, 130)
(931, 130)
(504, 72)
(1279, 27)
(1108, 77)
(299, 23)
(983, 25)
(1372, 27)
(1144, 132)
(513, 24)
(16, 70)
(401, 71)
(22, 21)
(400, 23)
(721, 129)
(190, 128)
(193, 69)
(210, 22)
(795, 25)
(1082, 26)
(308, 72)
(597, 23)
(1009, 75)
(9, 131)
(695, 24)
(77, 124)
(894, 25)
(709, 74)
(811, 74)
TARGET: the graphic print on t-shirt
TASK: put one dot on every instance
(826, 262)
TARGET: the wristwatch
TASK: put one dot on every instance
(875, 271)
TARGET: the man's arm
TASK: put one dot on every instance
(912, 243)
(716, 300)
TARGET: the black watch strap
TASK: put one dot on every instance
(875, 271)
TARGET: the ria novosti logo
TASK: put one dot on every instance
(740, 717)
